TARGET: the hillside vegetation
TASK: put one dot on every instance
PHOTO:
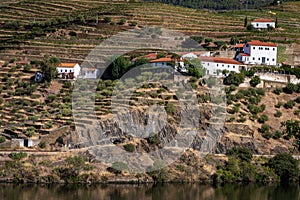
(70, 29)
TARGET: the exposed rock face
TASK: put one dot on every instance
(240, 129)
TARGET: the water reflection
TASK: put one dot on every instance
(156, 192)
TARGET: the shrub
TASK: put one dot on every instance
(278, 105)
(2, 139)
(265, 130)
(297, 112)
(107, 19)
(277, 134)
(17, 156)
(243, 154)
(263, 118)
(170, 109)
(260, 91)
(249, 73)
(42, 145)
(277, 91)
(133, 23)
(51, 98)
(122, 21)
(289, 105)
(241, 120)
(27, 68)
(297, 99)
(290, 88)
(66, 112)
(119, 167)
(30, 131)
(255, 80)
(48, 125)
(278, 114)
(129, 147)
(154, 139)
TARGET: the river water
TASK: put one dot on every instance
(155, 192)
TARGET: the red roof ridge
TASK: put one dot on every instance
(220, 60)
(263, 20)
(162, 60)
(259, 43)
(67, 65)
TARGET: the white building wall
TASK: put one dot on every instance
(263, 25)
(212, 68)
(261, 54)
(91, 74)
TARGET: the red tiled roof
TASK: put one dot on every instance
(244, 54)
(263, 20)
(239, 45)
(162, 60)
(150, 56)
(67, 65)
(259, 43)
(220, 60)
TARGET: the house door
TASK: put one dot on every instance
(263, 59)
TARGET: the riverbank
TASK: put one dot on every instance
(238, 165)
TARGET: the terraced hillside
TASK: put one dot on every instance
(71, 29)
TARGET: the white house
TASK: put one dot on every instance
(68, 70)
(263, 23)
(90, 73)
(215, 65)
(257, 52)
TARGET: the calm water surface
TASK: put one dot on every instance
(155, 192)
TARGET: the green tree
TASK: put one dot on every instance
(250, 27)
(285, 166)
(255, 80)
(246, 21)
(234, 78)
(119, 67)
(48, 68)
(195, 68)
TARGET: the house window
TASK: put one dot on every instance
(228, 66)
(233, 66)
(70, 70)
(253, 47)
(207, 64)
(258, 58)
(273, 49)
(61, 70)
(257, 24)
(222, 65)
(66, 70)
(217, 65)
(267, 59)
(273, 59)
(267, 49)
(253, 58)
